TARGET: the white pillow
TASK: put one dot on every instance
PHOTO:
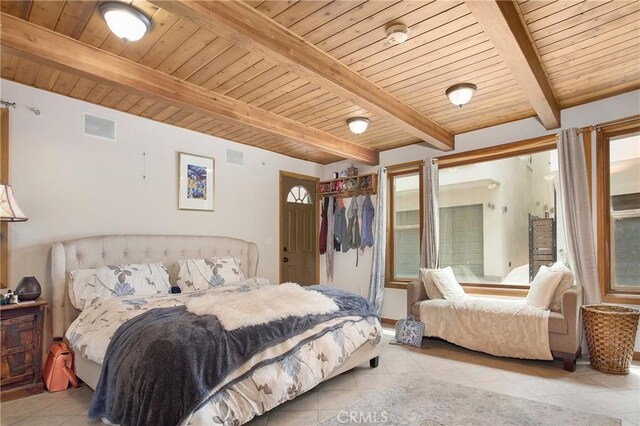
(568, 281)
(79, 278)
(445, 281)
(429, 286)
(543, 287)
(201, 274)
(143, 279)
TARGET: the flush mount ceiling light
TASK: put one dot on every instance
(460, 94)
(358, 125)
(397, 33)
(124, 20)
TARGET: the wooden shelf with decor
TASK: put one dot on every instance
(349, 186)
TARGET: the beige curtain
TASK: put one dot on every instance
(430, 239)
(576, 206)
(376, 280)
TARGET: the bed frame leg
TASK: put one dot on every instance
(373, 362)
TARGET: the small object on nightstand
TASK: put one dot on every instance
(21, 326)
(28, 288)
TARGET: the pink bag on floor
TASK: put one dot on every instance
(58, 371)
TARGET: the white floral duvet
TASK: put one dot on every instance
(240, 396)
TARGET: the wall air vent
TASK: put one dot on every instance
(235, 157)
(98, 127)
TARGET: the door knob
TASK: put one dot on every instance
(285, 259)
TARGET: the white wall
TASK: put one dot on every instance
(71, 185)
(347, 276)
(625, 177)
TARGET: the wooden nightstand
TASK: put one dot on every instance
(21, 326)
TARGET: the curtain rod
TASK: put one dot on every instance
(619, 121)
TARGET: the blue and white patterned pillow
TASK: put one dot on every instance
(145, 279)
(201, 274)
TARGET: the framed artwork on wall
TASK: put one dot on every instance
(196, 182)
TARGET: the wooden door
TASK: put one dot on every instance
(298, 229)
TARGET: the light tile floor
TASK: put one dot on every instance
(586, 389)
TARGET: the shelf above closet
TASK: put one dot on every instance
(349, 186)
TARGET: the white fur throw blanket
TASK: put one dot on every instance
(262, 305)
(495, 326)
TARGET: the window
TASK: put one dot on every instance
(499, 219)
(461, 234)
(404, 222)
(618, 150)
(299, 194)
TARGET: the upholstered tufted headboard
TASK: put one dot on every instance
(93, 252)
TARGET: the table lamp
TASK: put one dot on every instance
(9, 210)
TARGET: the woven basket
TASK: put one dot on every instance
(611, 334)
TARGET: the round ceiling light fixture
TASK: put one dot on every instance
(397, 33)
(460, 94)
(358, 125)
(124, 20)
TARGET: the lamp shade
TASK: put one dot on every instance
(9, 210)
(460, 94)
(126, 21)
(358, 125)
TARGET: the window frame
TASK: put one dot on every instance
(481, 155)
(391, 281)
(300, 200)
(493, 153)
(604, 133)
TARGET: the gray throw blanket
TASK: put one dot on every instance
(162, 365)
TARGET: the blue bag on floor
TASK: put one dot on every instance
(409, 332)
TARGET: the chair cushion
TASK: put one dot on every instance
(566, 283)
(544, 287)
(429, 286)
(446, 283)
(557, 322)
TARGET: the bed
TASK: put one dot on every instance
(97, 251)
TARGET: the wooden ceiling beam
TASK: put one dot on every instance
(501, 22)
(29, 41)
(251, 30)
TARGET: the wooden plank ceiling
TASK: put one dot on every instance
(588, 50)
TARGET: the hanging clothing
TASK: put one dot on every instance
(330, 246)
(352, 227)
(368, 214)
(336, 240)
(322, 243)
(340, 230)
